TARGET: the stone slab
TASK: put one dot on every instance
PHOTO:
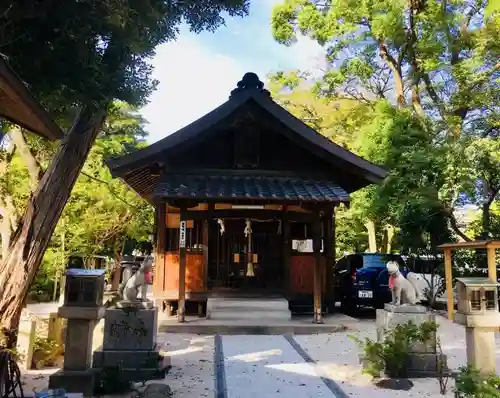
(126, 359)
(130, 329)
(486, 320)
(139, 304)
(74, 381)
(134, 374)
(386, 320)
(406, 309)
(90, 313)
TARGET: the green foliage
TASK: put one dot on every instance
(426, 79)
(46, 352)
(392, 353)
(470, 383)
(91, 50)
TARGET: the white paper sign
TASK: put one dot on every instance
(182, 234)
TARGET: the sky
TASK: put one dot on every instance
(197, 72)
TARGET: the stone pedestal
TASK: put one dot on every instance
(76, 376)
(480, 339)
(129, 342)
(424, 361)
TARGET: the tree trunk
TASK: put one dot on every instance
(372, 237)
(41, 215)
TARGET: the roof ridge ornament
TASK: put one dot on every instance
(250, 81)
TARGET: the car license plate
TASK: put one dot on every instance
(365, 294)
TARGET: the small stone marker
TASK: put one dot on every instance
(129, 342)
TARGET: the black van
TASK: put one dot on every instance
(362, 280)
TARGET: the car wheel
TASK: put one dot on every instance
(348, 307)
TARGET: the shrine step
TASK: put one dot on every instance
(248, 309)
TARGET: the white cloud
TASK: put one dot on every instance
(192, 83)
(194, 80)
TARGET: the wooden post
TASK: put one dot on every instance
(181, 307)
(286, 252)
(318, 317)
(328, 247)
(161, 232)
(492, 264)
(448, 275)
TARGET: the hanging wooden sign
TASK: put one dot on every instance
(182, 234)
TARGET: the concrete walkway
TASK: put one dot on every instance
(265, 366)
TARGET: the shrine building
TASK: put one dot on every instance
(245, 202)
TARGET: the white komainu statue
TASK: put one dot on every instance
(129, 289)
(404, 291)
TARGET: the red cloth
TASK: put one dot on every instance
(392, 278)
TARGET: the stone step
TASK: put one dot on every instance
(250, 315)
(248, 304)
(248, 309)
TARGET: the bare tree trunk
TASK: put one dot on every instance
(40, 217)
(372, 237)
(34, 169)
(7, 209)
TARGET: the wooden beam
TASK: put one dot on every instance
(318, 317)
(251, 213)
(286, 251)
(448, 275)
(181, 305)
(328, 245)
(492, 263)
(161, 232)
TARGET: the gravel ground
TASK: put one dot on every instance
(192, 373)
(268, 366)
(337, 356)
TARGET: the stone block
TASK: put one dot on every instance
(78, 344)
(126, 359)
(387, 320)
(426, 364)
(147, 304)
(134, 366)
(74, 381)
(406, 308)
(89, 313)
(25, 341)
(130, 329)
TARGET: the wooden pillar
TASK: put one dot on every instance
(492, 264)
(181, 306)
(328, 247)
(448, 275)
(317, 295)
(286, 252)
(161, 232)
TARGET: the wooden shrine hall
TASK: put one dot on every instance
(245, 203)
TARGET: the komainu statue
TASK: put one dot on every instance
(404, 291)
(129, 289)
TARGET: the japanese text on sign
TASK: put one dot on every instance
(182, 234)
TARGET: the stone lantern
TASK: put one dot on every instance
(83, 308)
(477, 310)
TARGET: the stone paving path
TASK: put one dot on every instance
(266, 366)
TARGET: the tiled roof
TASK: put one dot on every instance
(248, 187)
